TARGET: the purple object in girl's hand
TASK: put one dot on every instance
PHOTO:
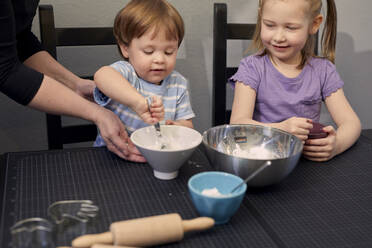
(317, 131)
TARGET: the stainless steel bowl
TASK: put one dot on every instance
(242, 149)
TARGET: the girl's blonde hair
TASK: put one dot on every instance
(139, 16)
(328, 40)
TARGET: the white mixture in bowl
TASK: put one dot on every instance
(212, 192)
(257, 152)
(170, 143)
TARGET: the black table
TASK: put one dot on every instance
(318, 205)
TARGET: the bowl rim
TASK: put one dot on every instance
(200, 139)
(224, 196)
(251, 125)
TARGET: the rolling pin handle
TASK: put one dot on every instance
(197, 224)
(91, 239)
(110, 246)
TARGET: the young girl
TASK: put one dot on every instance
(284, 84)
(148, 34)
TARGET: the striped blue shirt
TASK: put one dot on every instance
(173, 92)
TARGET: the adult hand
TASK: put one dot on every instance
(297, 126)
(115, 136)
(321, 149)
(85, 88)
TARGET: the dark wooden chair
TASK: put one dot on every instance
(223, 31)
(51, 38)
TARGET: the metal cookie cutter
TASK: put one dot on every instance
(72, 218)
(72, 210)
(32, 232)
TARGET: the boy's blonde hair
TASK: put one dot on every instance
(139, 16)
(328, 40)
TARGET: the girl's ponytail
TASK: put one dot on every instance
(330, 32)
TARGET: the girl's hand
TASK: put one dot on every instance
(297, 126)
(321, 149)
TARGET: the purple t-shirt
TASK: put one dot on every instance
(278, 97)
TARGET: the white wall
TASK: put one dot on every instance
(24, 129)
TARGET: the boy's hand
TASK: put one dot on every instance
(321, 149)
(171, 122)
(152, 111)
(185, 123)
(297, 126)
(157, 109)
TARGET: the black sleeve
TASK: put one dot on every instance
(27, 44)
(17, 81)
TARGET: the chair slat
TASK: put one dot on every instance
(51, 38)
(84, 36)
(239, 31)
(223, 31)
(78, 133)
(230, 71)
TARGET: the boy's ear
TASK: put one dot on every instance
(124, 50)
(316, 24)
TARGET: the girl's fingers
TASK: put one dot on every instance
(316, 159)
(330, 130)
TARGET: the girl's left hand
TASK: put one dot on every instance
(321, 149)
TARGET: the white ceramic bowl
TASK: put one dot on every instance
(180, 144)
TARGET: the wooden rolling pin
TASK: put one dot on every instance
(110, 246)
(148, 231)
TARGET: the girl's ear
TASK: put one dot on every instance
(316, 24)
(124, 50)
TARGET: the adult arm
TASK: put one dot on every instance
(30, 87)
(69, 103)
(43, 62)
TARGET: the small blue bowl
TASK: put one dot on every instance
(220, 208)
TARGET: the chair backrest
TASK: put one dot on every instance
(223, 31)
(51, 38)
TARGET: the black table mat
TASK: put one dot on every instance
(122, 190)
(319, 205)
